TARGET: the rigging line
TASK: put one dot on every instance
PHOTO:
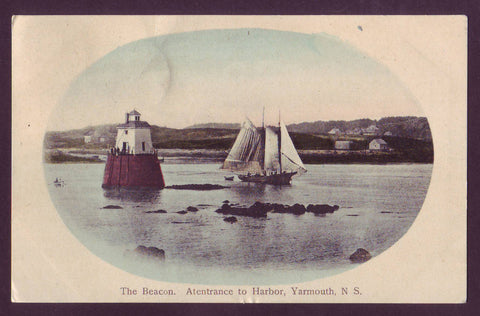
(293, 161)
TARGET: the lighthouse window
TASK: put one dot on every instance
(137, 118)
(143, 146)
(126, 132)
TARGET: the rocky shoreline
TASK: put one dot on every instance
(259, 209)
(198, 187)
(256, 210)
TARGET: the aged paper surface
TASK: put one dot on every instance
(427, 54)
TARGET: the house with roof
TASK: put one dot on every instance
(371, 130)
(87, 138)
(94, 137)
(355, 131)
(378, 144)
(335, 131)
(100, 136)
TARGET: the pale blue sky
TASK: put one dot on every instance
(224, 75)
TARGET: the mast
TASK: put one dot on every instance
(279, 143)
(263, 118)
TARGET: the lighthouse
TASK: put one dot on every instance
(133, 162)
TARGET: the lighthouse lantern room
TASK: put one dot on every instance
(133, 162)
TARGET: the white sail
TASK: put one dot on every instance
(257, 151)
(247, 152)
(271, 151)
(290, 159)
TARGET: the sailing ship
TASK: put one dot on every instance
(264, 155)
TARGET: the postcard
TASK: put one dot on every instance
(241, 159)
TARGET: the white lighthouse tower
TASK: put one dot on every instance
(134, 137)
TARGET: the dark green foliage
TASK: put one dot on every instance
(306, 141)
(161, 134)
(323, 127)
(406, 126)
(352, 157)
(403, 150)
(413, 150)
(403, 126)
(60, 157)
(75, 138)
(215, 143)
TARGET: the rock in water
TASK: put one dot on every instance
(298, 209)
(112, 207)
(156, 212)
(259, 209)
(256, 210)
(147, 253)
(182, 212)
(226, 207)
(230, 219)
(321, 208)
(200, 187)
(192, 209)
(360, 255)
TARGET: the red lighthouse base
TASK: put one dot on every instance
(133, 171)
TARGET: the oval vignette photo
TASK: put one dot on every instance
(238, 156)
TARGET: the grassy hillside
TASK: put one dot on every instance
(402, 126)
(75, 138)
(162, 137)
(306, 141)
(216, 125)
(323, 127)
(215, 143)
(412, 150)
(407, 126)
(405, 148)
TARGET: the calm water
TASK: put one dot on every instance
(378, 203)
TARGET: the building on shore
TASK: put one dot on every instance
(378, 144)
(87, 138)
(133, 162)
(335, 131)
(94, 137)
(372, 130)
(355, 131)
(343, 145)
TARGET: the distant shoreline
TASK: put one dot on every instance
(186, 156)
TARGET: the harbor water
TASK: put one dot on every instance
(378, 204)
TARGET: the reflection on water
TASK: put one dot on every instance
(133, 194)
(248, 193)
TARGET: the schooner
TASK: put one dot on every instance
(264, 155)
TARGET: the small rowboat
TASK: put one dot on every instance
(229, 178)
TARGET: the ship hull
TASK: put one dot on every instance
(133, 171)
(275, 179)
